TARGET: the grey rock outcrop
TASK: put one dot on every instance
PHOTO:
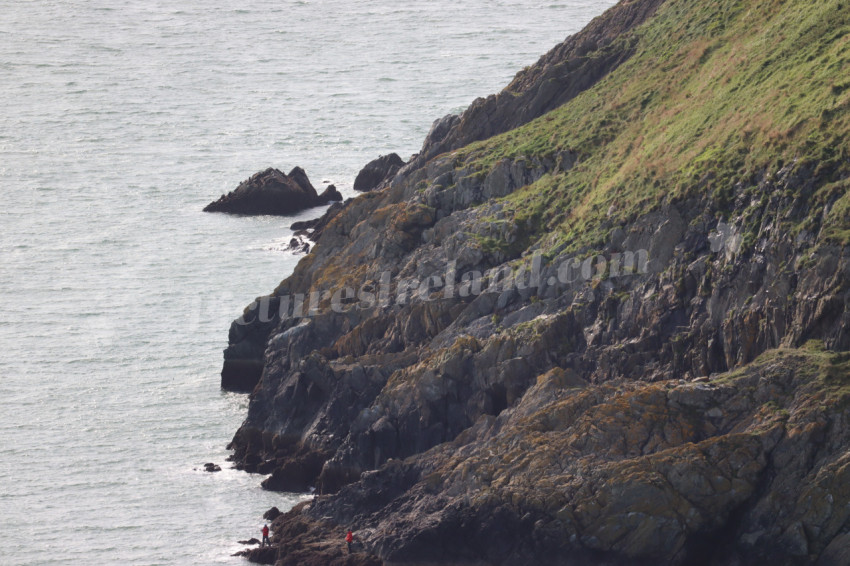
(466, 377)
(377, 171)
(346, 392)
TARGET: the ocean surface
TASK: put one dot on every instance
(119, 121)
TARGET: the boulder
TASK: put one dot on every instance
(210, 467)
(262, 555)
(275, 193)
(377, 171)
(330, 194)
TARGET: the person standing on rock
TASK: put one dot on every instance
(265, 536)
(349, 537)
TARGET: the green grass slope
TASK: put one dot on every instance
(718, 94)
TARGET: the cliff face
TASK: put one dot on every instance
(611, 334)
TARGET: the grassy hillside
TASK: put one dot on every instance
(718, 94)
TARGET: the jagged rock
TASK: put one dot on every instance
(243, 358)
(317, 225)
(632, 464)
(211, 467)
(241, 375)
(317, 542)
(657, 381)
(273, 192)
(837, 552)
(330, 194)
(298, 244)
(440, 129)
(250, 541)
(377, 171)
(271, 514)
(261, 555)
(304, 225)
(297, 473)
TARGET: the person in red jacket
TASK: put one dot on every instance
(266, 536)
(349, 537)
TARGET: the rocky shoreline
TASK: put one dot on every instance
(509, 353)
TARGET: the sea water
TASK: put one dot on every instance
(119, 121)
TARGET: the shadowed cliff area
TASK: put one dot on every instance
(601, 318)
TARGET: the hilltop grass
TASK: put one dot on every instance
(716, 93)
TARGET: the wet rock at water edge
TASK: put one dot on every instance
(274, 193)
(262, 555)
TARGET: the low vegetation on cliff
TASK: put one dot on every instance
(717, 97)
(600, 319)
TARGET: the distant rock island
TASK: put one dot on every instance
(275, 193)
(601, 318)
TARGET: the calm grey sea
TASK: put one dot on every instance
(119, 121)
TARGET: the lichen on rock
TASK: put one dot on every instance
(604, 325)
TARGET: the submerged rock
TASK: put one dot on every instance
(298, 244)
(275, 193)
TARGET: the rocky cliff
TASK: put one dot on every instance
(601, 318)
